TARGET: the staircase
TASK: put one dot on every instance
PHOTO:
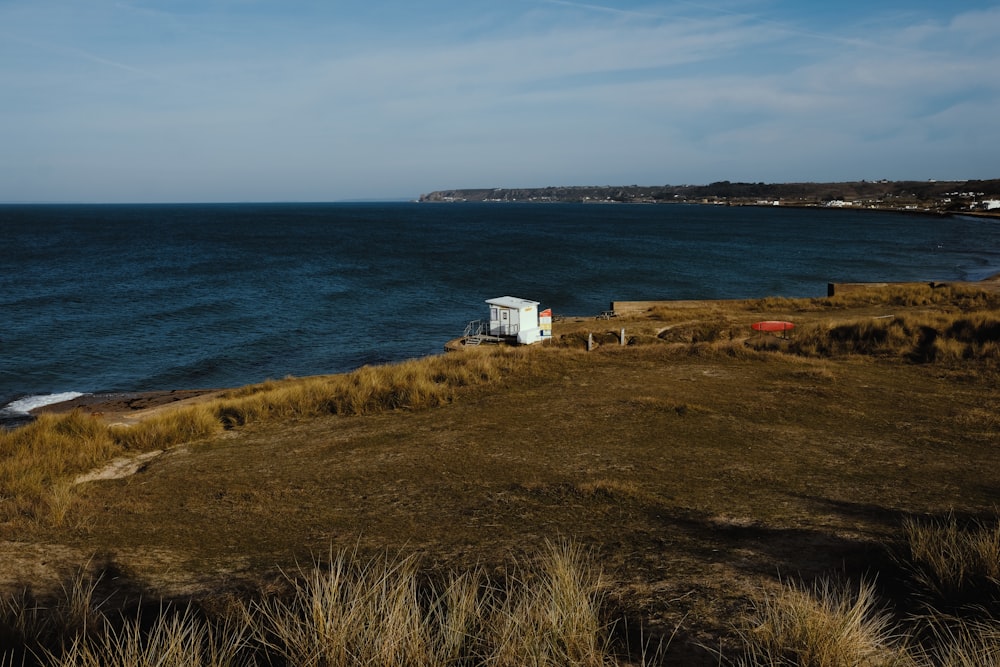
(474, 334)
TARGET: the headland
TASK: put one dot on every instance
(975, 197)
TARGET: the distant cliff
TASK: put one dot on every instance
(944, 196)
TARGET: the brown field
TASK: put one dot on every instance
(701, 467)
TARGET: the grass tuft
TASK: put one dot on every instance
(964, 644)
(175, 638)
(347, 612)
(827, 625)
(953, 564)
(385, 612)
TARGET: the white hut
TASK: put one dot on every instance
(511, 317)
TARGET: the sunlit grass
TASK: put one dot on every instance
(920, 338)
(37, 460)
(385, 612)
(959, 296)
(38, 457)
(825, 625)
(174, 638)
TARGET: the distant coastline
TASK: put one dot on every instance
(974, 197)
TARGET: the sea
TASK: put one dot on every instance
(108, 299)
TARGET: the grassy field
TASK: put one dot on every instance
(711, 483)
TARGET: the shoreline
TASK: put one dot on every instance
(130, 407)
(127, 407)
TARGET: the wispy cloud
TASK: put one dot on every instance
(73, 53)
(552, 90)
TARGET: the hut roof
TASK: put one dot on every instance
(511, 302)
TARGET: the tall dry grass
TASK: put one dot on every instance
(174, 639)
(167, 429)
(31, 626)
(963, 644)
(921, 338)
(545, 611)
(954, 571)
(410, 385)
(825, 625)
(956, 296)
(384, 612)
(837, 626)
(39, 460)
(953, 564)
(349, 611)
(357, 613)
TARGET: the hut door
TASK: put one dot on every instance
(504, 322)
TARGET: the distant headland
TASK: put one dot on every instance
(945, 197)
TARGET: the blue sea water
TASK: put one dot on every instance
(122, 298)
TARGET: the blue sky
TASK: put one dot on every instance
(285, 100)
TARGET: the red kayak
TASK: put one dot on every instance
(772, 325)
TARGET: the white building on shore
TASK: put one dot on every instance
(512, 317)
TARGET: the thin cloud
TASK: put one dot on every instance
(745, 18)
(606, 10)
(76, 53)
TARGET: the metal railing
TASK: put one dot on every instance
(473, 328)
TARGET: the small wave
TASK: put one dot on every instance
(23, 406)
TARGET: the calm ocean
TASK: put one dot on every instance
(126, 298)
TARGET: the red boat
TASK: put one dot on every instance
(772, 326)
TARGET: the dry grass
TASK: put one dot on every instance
(826, 625)
(961, 297)
(31, 626)
(173, 638)
(954, 564)
(346, 612)
(384, 612)
(696, 468)
(920, 338)
(551, 610)
(38, 461)
(830, 625)
(167, 429)
(963, 644)
(412, 385)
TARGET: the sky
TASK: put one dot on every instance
(331, 100)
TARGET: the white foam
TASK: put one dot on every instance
(29, 403)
